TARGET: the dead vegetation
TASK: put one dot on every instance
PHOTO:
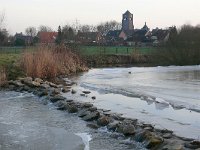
(3, 78)
(49, 62)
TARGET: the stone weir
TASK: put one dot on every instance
(150, 137)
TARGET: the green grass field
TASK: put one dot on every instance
(9, 55)
(6, 59)
(11, 50)
(122, 50)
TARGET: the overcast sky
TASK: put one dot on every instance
(157, 13)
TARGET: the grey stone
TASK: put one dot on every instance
(112, 126)
(57, 98)
(103, 121)
(39, 80)
(126, 129)
(86, 92)
(87, 105)
(72, 108)
(93, 97)
(83, 113)
(92, 116)
(93, 126)
(73, 91)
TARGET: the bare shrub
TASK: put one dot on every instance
(2, 76)
(45, 62)
(137, 57)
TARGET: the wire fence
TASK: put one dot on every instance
(109, 50)
(12, 50)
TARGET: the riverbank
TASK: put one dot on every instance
(132, 129)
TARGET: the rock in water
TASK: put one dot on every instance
(126, 129)
(92, 116)
(72, 108)
(103, 121)
(86, 92)
(73, 91)
(149, 139)
(57, 98)
(65, 90)
(93, 126)
(93, 97)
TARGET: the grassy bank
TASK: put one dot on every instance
(42, 62)
(113, 60)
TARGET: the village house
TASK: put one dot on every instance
(23, 40)
(116, 37)
(47, 37)
(159, 35)
(89, 38)
(130, 36)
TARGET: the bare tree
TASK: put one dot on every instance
(2, 19)
(3, 32)
(88, 28)
(31, 31)
(44, 28)
(68, 33)
(85, 28)
(105, 27)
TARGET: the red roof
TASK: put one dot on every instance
(47, 37)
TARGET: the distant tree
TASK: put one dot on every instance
(182, 47)
(3, 31)
(44, 28)
(2, 19)
(20, 42)
(68, 33)
(31, 31)
(87, 28)
(3, 37)
(59, 37)
(105, 27)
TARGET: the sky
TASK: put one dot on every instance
(20, 14)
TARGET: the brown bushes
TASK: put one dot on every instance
(48, 63)
(2, 77)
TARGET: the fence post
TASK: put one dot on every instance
(127, 50)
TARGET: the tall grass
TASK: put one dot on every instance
(2, 76)
(49, 62)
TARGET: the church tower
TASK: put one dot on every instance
(127, 21)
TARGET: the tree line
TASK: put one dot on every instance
(69, 31)
(182, 46)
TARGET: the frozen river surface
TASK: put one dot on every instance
(167, 97)
(27, 124)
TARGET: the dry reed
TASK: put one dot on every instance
(3, 78)
(45, 62)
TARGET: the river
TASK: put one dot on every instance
(167, 97)
(30, 123)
